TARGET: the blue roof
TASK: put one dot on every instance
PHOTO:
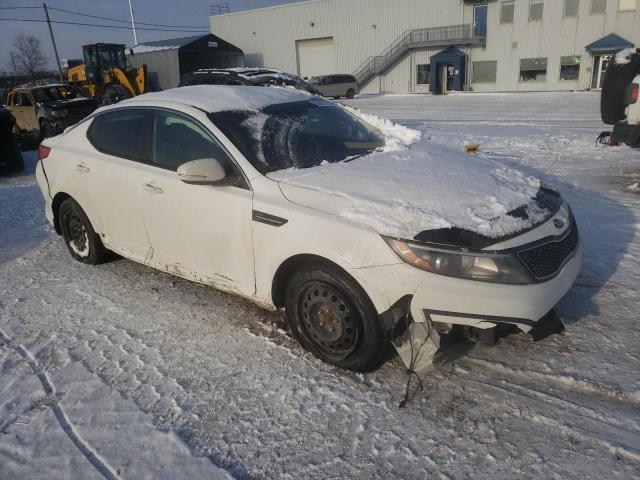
(610, 43)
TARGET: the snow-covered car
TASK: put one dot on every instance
(619, 104)
(260, 77)
(357, 228)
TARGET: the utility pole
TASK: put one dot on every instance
(133, 24)
(53, 41)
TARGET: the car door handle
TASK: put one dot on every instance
(82, 168)
(152, 188)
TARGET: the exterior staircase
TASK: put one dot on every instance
(453, 35)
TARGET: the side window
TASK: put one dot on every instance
(121, 133)
(11, 100)
(24, 100)
(177, 140)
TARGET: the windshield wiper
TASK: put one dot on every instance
(355, 157)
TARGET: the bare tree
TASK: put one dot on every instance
(27, 55)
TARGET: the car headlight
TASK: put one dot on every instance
(489, 267)
(59, 113)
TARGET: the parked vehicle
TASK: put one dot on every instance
(47, 110)
(10, 156)
(106, 75)
(619, 102)
(336, 86)
(261, 77)
(278, 196)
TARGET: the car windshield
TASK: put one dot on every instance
(314, 81)
(47, 94)
(297, 135)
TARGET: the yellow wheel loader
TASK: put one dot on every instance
(105, 75)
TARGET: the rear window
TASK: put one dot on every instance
(122, 133)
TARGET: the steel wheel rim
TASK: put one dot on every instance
(329, 319)
(78, 237)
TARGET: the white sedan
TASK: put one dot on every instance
(360, 232)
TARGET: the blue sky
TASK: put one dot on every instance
(70, 38)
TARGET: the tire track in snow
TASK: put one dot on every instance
(616, 434)
(61, 416)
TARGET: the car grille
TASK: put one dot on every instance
(546, 260)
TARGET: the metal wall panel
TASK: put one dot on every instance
(363, 28)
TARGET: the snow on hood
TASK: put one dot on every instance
(411, 187)
(219, 98)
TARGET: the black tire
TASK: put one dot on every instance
(114, 94)
(614, 90)
(351, 93)
(78, 233)
(333, 318)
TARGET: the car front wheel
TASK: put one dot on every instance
(333, 318)
(82, 241)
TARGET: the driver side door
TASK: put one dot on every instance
(199, 232)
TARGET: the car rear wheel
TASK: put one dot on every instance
(82, 241)
(351, 93)
(333, 318)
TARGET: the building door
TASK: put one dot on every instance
(600, 64)
(447, 77)
(315, 57)
(480, 20)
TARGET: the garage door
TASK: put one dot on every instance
(315, 57)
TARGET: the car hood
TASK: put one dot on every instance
(74, 103)
(426, 188)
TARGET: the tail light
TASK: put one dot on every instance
(43, 152)
(633, 93)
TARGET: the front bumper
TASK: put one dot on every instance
(478, 304)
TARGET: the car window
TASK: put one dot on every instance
(24, 100)
(177, 140)
(300, 134)
(121, 133)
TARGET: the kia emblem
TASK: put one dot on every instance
(558, 222)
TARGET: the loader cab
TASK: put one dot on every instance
(103, 56)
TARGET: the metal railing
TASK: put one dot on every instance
(451, 35)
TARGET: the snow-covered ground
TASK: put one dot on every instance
(119, 370)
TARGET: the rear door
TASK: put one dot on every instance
(22, 108)
(200, 232)
(121, 138)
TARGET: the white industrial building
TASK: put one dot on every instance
(406, 46)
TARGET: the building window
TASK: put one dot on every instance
(485, 72)
(423, 74)
(598, 6)
(571, 8)
(627, 5)
(570, 67)
(533, 70)
(507, 11)
(536, 10)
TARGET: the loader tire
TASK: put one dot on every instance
(114, 94)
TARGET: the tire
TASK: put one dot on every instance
(332, 317)
(82, 241)
(114, 94)
(351, 93)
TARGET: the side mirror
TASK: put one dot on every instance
(205, 171)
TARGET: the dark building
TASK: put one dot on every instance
(167, 60)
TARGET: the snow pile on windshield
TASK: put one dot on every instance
(220, 98)
(397, 137)
(425, 187)
(623, 56)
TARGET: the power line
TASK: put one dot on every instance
(123, 21)
(99, 25)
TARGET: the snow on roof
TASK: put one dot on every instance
(623, 56)
(168, 44)
(218, 98)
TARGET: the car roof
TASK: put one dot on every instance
(219, 98)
